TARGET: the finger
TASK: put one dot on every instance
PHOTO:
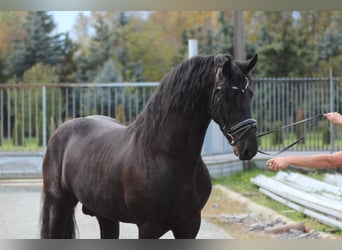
(270, 165)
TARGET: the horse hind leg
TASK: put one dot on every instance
(109, 229)
(70, 227)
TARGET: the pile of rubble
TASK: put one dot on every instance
(244, 219)
(277, 227)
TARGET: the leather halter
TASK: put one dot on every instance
(242, 127)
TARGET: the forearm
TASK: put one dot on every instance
(315, 161)
(321, 161)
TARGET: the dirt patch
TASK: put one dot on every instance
(244, 219)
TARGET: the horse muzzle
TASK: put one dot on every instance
(244, 143)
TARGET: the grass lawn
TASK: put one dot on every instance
(312, 141)
(30, 144)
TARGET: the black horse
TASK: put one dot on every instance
(149, 173)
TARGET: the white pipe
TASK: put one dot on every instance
(193, 47)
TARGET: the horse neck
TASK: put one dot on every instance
(184, 132)
(175, 129)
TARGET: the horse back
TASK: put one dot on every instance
(69, 150)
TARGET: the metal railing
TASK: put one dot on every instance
(30, 112)
(282, 101)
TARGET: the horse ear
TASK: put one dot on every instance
(250, 64)
(226, 68)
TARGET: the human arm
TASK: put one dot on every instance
(321, 161)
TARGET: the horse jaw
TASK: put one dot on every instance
(236, 151)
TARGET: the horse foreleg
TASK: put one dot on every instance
(109, 228)
(188, 230)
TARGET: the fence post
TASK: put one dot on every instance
(192, 47)
(332, 109)
(44, 117)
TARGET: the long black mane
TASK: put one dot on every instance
(181, 91)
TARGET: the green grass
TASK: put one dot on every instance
(313, 140)
(30, 144)
(240, 183)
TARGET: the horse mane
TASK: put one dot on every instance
(181, 90)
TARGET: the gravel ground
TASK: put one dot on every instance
(244, 219)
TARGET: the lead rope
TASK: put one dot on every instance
(312, 120)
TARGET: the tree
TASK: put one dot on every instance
(100, 50)
(2, 68)
(66, 68)
(225, 36)
(10, 29)
(38, 44)
(152, 56)
(108, 73)
(329, 47)
(82, 31)
(283, 47)
(112, 41)
(130, 70)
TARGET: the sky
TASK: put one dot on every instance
(65, 20)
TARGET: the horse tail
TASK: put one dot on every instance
(44, 218)
(71, 227)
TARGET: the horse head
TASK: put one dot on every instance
(230, 104)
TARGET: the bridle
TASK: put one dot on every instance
(243, 127)
(238, 129)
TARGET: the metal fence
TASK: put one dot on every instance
(281, 101)
(30, 112)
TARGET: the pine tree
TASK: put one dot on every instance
(67, 66)
(2, 68)
(225, 35)
(108, 73)
(100, 51)
(283, 47)
(112, 41)
(130, 70)
(37, 45)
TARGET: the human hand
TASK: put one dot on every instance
(277, 164)
(334, 117)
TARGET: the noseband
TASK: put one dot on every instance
(242, 127)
